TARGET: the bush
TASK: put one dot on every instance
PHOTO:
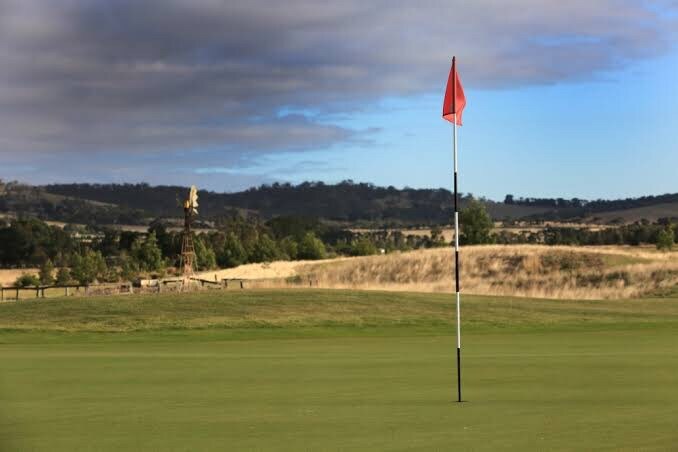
(289, 247)
(89, 267)
(665, 239)
(311, 247)
(476, 224)
(46, 273)
(27, 280)
(148, 254)
(233, 253)
(264, 250)
(63, 277)
(363, 247)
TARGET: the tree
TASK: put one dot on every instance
(89, 267)
(363, 247)
(129, 268)
(27, 280)
(264, 250)
(204, 254)
(233, 253)
(289, 247)
(63, 277)
(311, 247)
(665, 239)
(46, 273)
(147, 253)
(476, 224)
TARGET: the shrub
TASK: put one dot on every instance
(476, 224)
(63, 277)
(27, 280)
(46, 273)
(311, 247)
(665, 239)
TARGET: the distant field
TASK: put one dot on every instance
(336, 370)
(507, 270)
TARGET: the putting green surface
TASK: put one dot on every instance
(537, 380)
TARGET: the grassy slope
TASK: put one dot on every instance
(377, 375)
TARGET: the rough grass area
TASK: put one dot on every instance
(336, 370)
(316, 308)
(559, 272)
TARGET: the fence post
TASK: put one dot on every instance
(2, 294)
(17, 294)
(242, 286)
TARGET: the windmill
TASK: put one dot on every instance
(187, 260)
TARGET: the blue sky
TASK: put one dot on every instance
(565, 99)
(609, 137)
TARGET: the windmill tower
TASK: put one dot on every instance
(187, 260)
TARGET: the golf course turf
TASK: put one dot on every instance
(337, 370)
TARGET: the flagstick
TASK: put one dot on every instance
(456, 262)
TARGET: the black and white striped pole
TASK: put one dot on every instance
(457, 289)
(453, 105)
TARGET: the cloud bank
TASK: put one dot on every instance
(158, 79)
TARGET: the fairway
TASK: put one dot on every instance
(324, 370)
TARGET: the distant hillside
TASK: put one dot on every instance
(346, 202)
(357, 204)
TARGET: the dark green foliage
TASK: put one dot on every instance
(29, 242)
(363, 247)
(63, 277)
(205, 257)
(88, 267)
(46, 273)
(264, 250)
(311, 247)
(233, 253)
(147, 254)
(665, 239)
(476, 224)
(129, 268)
(27, 280)
(289, 247)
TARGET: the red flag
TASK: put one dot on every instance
(455, 101)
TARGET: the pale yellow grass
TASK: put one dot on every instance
(521, 270)
(8, 277)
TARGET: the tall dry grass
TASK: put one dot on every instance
(521, 270)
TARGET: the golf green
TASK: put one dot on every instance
(537, 384)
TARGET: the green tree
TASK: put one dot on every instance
(63, 277)
(665, 239)
(289, 247)
(27, 280)
(204, 254)
(47, 273)
(264, 250)
(89, 267)
(311, 247)
(476, 224)
(147, 253)
(363, 247)
(233, 253)
(129, 268)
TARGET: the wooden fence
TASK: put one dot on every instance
(15, 293)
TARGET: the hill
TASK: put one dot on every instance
(345, 203)
(363, 203)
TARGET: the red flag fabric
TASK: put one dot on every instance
(455, 100)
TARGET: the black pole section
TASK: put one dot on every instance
(456, 271)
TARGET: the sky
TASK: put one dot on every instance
(564, 99)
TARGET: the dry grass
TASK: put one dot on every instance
(9, 276)
(522, 270)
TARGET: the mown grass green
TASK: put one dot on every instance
(336, 370)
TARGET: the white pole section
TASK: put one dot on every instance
(456, 261)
